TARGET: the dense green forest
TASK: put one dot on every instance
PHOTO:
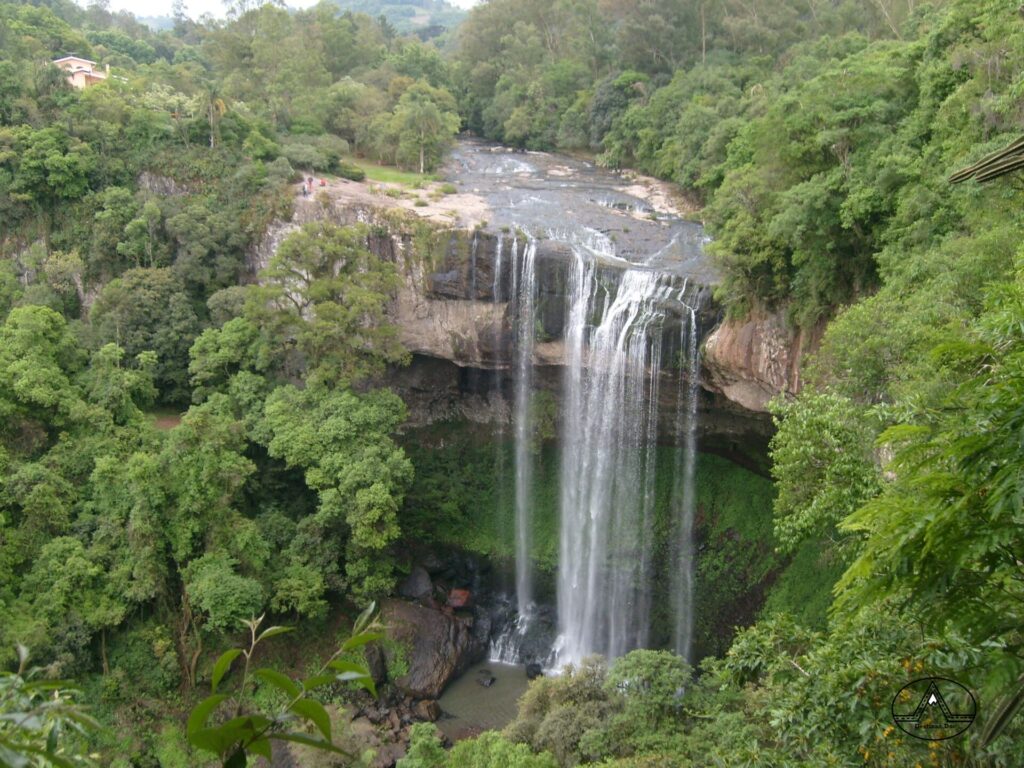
(817, 139)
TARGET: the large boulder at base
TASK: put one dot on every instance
(428, 710)
(417, 585)
(437, 646)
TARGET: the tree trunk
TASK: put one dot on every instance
(103, 651)
(421, 158)
(190, 643)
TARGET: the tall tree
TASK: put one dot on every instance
(425, 121)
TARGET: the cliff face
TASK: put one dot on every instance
(454, 315)
(753, 360)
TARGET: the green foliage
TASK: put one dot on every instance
(40, 722)
(652, 683)
(491, 748)
(425, 750)
(820, 137)
(782, 695)
(822, 464)
(951, 508)
(147, 310)
(221, 594)
(326, 292)
(343, 443)
(249, 733)
(556, 714)
(396, 655)
(423, 124)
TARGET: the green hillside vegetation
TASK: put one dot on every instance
(818, 137)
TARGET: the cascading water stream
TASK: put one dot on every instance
(524, 291)
(684, 493)
(497, 292)
(627, 340)
(506, 647)
(608, 459)
(614, 339)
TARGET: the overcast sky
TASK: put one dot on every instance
(197, 8)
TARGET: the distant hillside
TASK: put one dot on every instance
(426, 18)
(156, 23)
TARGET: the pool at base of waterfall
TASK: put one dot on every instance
(470, 707)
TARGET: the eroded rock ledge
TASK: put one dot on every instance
(453, 315)
(751, 361)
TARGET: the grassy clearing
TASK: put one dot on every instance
(391, 175)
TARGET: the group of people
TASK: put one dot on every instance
(307, 185)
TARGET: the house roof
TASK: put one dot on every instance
(74, 58)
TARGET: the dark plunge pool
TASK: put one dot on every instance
(471, 707)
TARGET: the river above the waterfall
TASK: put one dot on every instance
(620, 217)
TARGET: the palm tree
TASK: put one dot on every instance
(215, 109)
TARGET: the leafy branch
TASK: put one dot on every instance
(250, 733)
(39, 722)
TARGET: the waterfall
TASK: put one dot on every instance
(523, 291)
(507, 647)
(474, 244)
(610, 391)
(684, 492)
(497, 289)
(614, 336)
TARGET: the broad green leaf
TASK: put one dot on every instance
(316, 681)
(357, 641)
(349, 666)
(246, 725)
(222, 665)
(84, 720)
(237, 759)
(314, 712)
(23, 720)
(49, 685)
(211, 740)
(273, 632)
(363, 681)
(365, 619)
(262, 748)
(279, 681)
(309, 741)
(11, 759)
(201, 712)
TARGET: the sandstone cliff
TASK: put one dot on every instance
(751, 361)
